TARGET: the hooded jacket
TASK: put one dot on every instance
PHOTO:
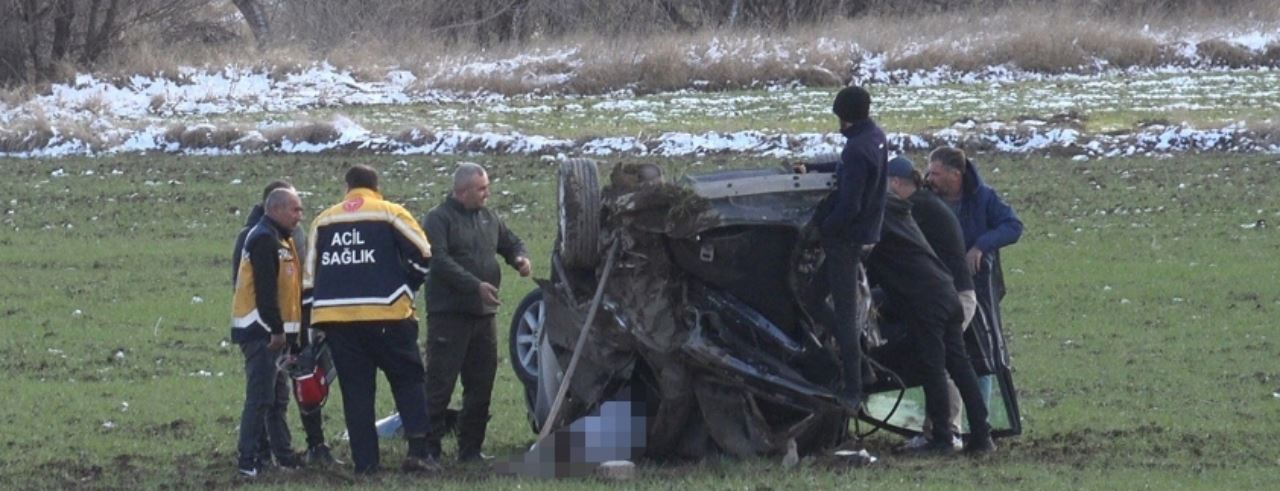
(987, 221)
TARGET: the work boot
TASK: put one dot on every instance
(979, 445)
(289, 461)
(421, 465)
(321, 456)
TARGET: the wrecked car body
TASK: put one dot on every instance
(706, 327)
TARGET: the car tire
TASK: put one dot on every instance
(524, 336)
(579, 204)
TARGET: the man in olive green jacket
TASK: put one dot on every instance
(462, 298)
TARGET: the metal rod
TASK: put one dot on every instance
(549, 424)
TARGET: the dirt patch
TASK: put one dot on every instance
(178, 428)
(72, 474)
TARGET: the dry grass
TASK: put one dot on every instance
(1271, 57)
(1222, 53)
(208, 136)
(230, 137)
(417, 136)
(27, 134)
(313, 133)
(1044, 37)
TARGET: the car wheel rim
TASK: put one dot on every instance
(527, 333)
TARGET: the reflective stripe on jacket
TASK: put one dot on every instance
(255, 311)
(366, 259)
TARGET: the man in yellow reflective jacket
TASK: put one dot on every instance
(267, 305)
(366, 258)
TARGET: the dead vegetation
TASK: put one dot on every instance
(27, 134)
(617, 45)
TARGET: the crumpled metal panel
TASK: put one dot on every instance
(740, 388)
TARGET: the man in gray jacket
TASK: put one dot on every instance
(462, 298)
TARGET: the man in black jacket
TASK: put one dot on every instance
(462, 298)
(941, 231)
(318, 452)
(848, 225)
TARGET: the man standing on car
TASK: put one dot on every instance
(267, 305)
(318, 452)
(462, 298)
(848, 225)
(988, 224)
(367, 259)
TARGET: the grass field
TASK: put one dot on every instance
(1140, 320)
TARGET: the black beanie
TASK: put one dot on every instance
(852, 104)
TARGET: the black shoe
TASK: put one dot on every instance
(979, 445)
(247, 469)
(289, 461)
(421, 465)
(321, 456)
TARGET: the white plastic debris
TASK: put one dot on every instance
(617, 470)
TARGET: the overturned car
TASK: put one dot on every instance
(702, 335)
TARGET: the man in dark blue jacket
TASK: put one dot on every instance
(848, 224)
(988, 224)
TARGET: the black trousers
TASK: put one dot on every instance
(460, 345)
(963, 375)
(841, 271)
(937, 328)
(358, 353)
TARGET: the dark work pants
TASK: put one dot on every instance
(266, 399)
(358, 353)
(842, 269)
(312, 424)
(966, 380)
(927, 322)
(937, 325)
(466, 345)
